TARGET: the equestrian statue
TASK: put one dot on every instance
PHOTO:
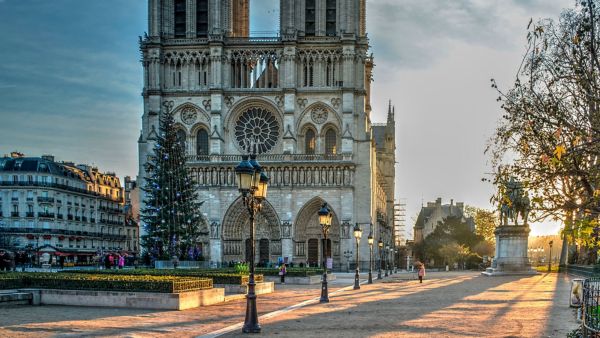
(514, 203)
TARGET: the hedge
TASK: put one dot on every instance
(291, 272)
(217, 276)
(104, 282)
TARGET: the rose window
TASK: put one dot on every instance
(257, 130)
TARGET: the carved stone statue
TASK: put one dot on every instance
(515, 203)
(214, 229)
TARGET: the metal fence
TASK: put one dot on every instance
(591, 307)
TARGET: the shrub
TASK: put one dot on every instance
(218, 276)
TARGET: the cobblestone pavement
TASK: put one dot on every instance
(445, 305)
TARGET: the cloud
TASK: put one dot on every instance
(416, 33)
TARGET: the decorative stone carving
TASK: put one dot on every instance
(279, 101)
(319, 115)
(302, 102)
(346, 229)
(206, 104)
(335, 102)
(188, 115)
(229, 101)
(286, 229)
(214, 229)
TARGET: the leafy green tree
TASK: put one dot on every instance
(171, 214)
(452, 230)
(485, 222)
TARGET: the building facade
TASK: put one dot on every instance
(62, 209)
(301, 100)
(434, 213)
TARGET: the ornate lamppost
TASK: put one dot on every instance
(325, 221)
(370, 239)
(386, 258)
(357, 235)
(252, 184)
(380, 246)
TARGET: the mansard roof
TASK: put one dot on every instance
(30, 164)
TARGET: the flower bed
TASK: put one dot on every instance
(218, 276)
(104, 282)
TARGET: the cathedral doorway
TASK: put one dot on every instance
(313, 252)
(308, 234)
(236, 234)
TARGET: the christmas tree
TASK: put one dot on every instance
(171, 214)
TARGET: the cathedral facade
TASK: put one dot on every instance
(301, 100)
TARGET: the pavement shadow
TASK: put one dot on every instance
(369, 318)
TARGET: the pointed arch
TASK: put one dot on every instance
(235, 231)
(308, 234)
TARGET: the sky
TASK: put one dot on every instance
(70, 83)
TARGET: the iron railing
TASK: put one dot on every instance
(591, 306)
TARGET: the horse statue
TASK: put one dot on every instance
(515, 203)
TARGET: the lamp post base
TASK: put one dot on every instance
(379, 274)
(370, 277)
(324, 292)
(356, 280)
(251, 322)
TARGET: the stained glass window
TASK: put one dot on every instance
(309, 142)
(202, 142)
(257, 130)
(330, 142)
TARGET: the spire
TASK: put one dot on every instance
(391, 113)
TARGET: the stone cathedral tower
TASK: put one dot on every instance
(303, 97)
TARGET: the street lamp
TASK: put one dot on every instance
(387, 258)
(550, 257)
(370, 239)
(325, 221)
(357, 235)
(252, 184)
(380, 246)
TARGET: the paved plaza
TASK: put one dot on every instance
(445, 305)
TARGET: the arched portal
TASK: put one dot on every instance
(308, 235)
(236, 234)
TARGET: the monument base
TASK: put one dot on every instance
(511, 252)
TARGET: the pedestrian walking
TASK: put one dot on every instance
(421, 272)
(121, 262)
(282, 272)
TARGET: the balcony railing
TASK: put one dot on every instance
(57, 186)
(45, 199)
(14, 214)
(45, 214)
(77, 218)
(30, 214)
(60, 232)
(59, 216)
(273, 158)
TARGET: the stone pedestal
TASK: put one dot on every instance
(511, 252)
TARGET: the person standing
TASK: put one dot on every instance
(282, 272)
(121, 262)
(421, 272)
(5, 261)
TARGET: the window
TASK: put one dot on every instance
(330, 18)
(309, 28)
(330, 142)
(202, 142)
(309, 142)
(202, 18)
(15, 179)
(181, 138)
(30, 209)
(179, 18)
(30, 179)
(15, 208)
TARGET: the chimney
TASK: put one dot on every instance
(438, 201)
(460, 205)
